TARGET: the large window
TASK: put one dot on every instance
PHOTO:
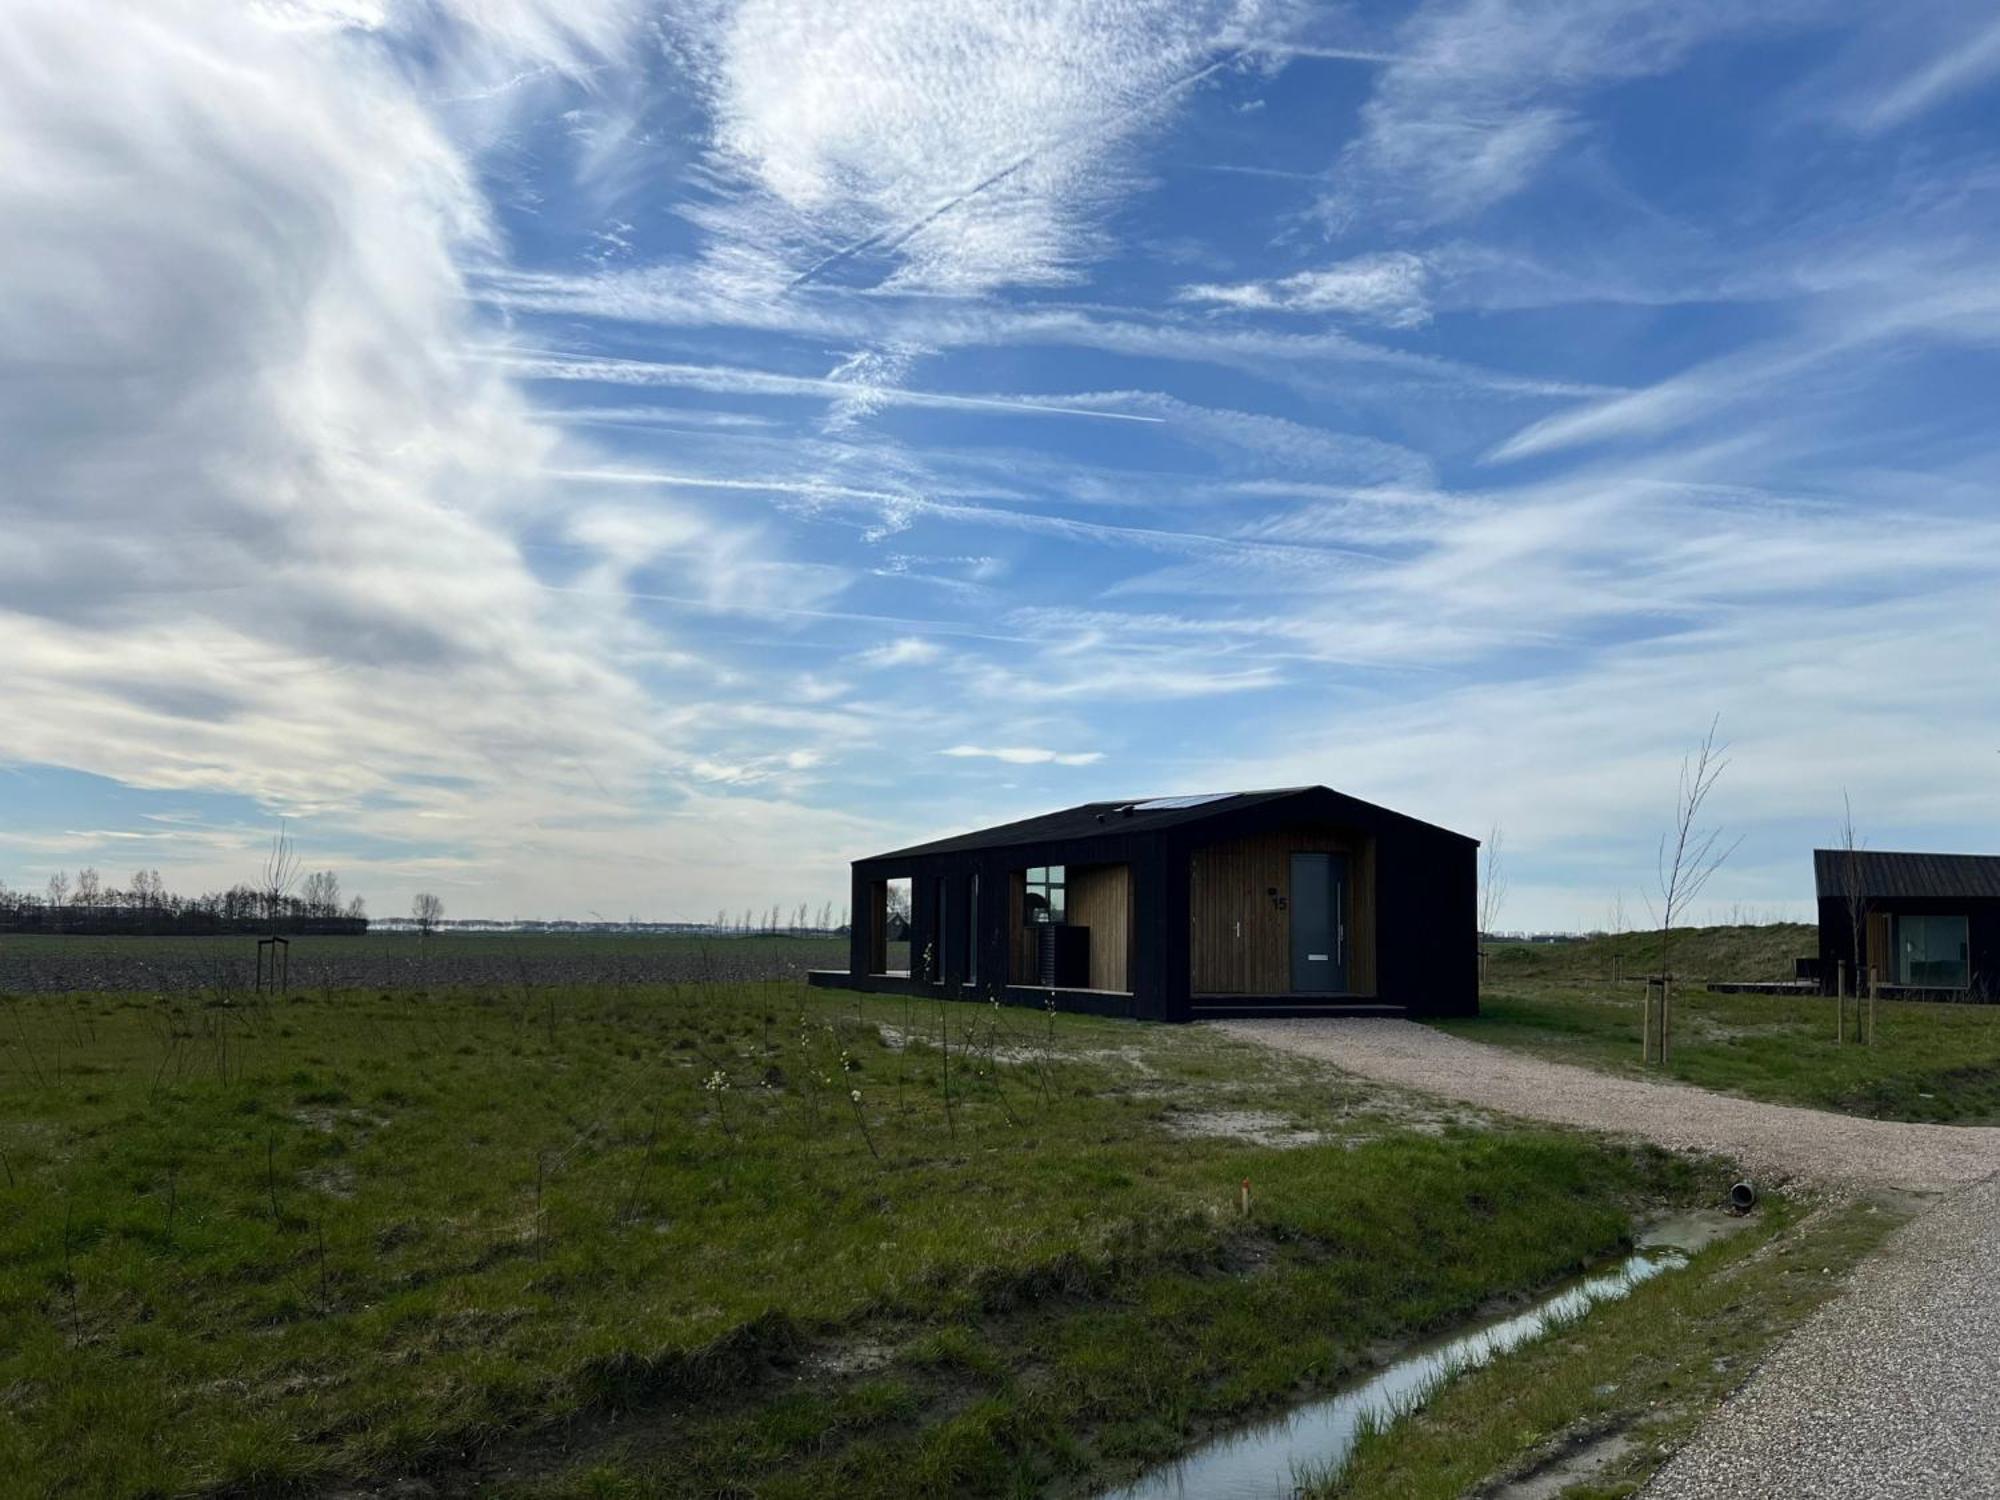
(1044, 898)
(1931, 952)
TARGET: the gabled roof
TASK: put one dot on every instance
(1130, 815)
(1886, 875)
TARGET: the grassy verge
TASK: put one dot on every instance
(584, 1240)
(1594, 1409)
(1928, 1062)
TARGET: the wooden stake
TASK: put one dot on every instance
(1666, 1018)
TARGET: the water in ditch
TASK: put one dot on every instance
(1265, 1461)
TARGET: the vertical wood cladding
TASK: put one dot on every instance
(1240, 931)
(1878, 953)
(1100, 898)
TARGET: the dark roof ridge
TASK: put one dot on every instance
(1085, 820)
(1906, 874)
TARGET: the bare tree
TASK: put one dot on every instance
(321, 893)
(148, 890)
(1617, 936)
(426, 910)
(281, 873)
(1492, 895)
(1854, 892)
(1688, 857)
(89, 888)
(357, 909)
(59, 888)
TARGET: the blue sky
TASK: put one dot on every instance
(632, 458)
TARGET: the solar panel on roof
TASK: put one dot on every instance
(1165, 804)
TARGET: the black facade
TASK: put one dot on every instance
(1929, 923)
(1418, 908)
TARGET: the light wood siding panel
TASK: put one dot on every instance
(1879, 953)
(1100, 898)
(1239, 938)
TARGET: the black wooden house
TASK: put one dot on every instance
(1929, 924)
(1289, 902)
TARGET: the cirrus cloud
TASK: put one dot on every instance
(1025, 755)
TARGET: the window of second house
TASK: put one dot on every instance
(1044, 900)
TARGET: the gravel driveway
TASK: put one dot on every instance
(1889, 1391)
(1774, 1141)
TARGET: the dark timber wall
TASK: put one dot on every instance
(1982, 932)
(1171, 882)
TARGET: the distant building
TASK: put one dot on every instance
(1296, 901)
(1930, 923)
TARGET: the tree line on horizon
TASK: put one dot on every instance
(777, 920)
(90, 904)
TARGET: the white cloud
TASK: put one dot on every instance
(1026, 755)
(266, 499)
(953, 146)
(246, 425)
(1945, 306)
(1966, 62)
(1484, 92)
(1387, 288)
(910, 651)
(676, 295)
(1578, 764)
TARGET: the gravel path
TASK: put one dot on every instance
(1776, 1142)
(1889, 1390)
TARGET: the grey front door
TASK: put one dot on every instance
(1319, 923)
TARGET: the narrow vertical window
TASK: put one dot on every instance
(972, 932)
(939, 964)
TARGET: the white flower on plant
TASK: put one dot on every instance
(718, 1082)
(855, 1095)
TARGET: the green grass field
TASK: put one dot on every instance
(1928, 1062)
(527, 1240)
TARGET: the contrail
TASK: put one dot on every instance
(738, 380)
(890, 239)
